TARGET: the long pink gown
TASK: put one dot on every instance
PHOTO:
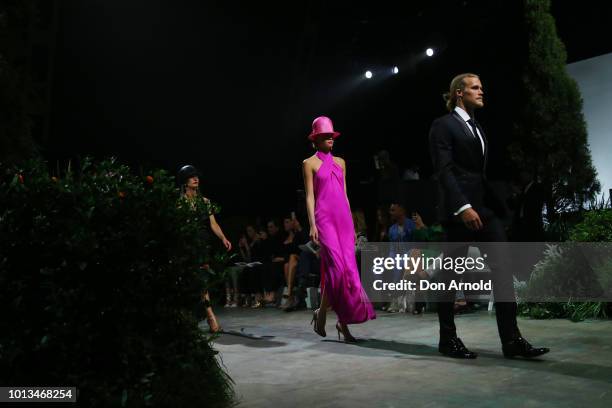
(339, 274)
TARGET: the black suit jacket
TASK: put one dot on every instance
(460, 167)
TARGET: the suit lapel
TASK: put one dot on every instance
(463, 125)
(486, 144)
(468, 132)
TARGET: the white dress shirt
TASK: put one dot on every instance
(464, 115)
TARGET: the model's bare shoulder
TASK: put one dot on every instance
(310, 161)
(340, 161)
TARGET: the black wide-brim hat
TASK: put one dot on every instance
(186, 172)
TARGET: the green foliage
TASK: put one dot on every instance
(595, 227)
(550, 137)
(575, 311)
(564, 272)
(581, 270)
(542, 310)
(100, 276)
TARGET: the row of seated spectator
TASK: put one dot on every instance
(269, 261)
(277, 265)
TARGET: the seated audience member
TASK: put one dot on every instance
(301, 235)
(402, 226)
(295, 237)
(233, 277)
(433, 233)
(308, 274)
(400, 232)
(289, 249)
(274, 264)
(361, 237)
(424, 233)
(382, 225)
(250, 277)
(421, 233)
(258, 244)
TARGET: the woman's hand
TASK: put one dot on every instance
(242, 243)
(314, 235)
(416, 217)
(227, 244)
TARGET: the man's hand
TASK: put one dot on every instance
(471, 219)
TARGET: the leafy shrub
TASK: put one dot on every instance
(575, 311)
(596, 226)
(565, 266)
(100, 276)
(564, 272)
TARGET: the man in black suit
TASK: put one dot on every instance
(471, 211)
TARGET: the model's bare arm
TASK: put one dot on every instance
(308, 173)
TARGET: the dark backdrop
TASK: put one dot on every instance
(232, 87)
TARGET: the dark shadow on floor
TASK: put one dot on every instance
(403, 348)
(545, 364)
(247, 339)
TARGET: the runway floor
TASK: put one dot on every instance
(277, 360)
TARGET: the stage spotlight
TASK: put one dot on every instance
(368, 74)
(395, 70)
(429, 52)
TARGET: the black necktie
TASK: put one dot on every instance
(472, 124)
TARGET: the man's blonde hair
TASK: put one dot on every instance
(457, 83)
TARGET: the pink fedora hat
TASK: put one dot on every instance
(322, 126)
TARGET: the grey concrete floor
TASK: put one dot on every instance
(285, 364)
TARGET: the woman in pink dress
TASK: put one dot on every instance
(331, 226)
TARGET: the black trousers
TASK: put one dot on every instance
(308, 271)
(273, 276)
(251, 279)
(501, 276)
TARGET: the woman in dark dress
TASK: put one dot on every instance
(259, 253)
(250, 277)
(188, 178)
(295, 237)
(274, 263)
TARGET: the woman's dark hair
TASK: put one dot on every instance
(274, 221)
